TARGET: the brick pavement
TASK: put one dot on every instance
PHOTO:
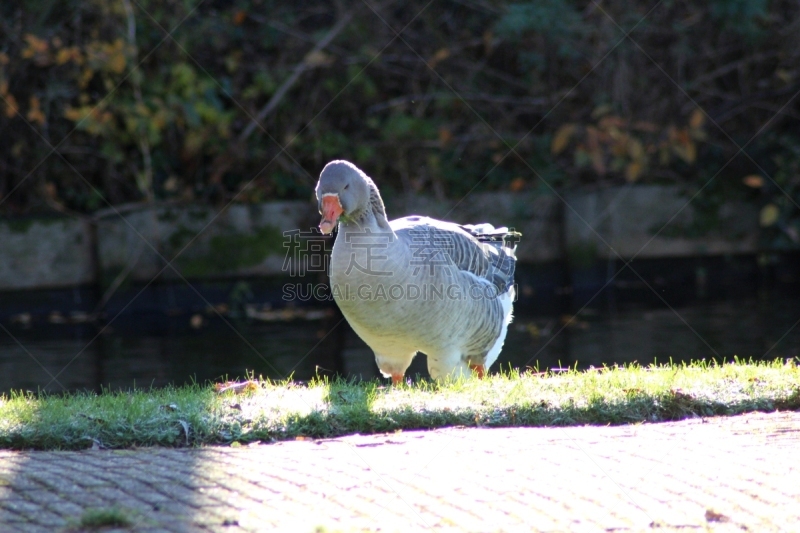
(721, 474)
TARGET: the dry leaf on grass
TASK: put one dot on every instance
(713, 516)
(236, 387)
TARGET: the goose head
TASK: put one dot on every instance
(343, 193)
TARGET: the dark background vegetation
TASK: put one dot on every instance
(100, 105)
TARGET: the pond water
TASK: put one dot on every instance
(157, 349)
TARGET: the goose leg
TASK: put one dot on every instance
(447, 365)
(394, 364)
(480, 370)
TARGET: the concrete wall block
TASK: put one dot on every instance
(45, 253)
(626, 220)
(201, 243)
(248, 240)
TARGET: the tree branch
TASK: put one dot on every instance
(478, 97)
(299, 69)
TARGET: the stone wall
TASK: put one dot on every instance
(652, 221)
(199, 241)
(46, 253)
(249, 240)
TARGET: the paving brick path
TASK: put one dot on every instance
(722, 474)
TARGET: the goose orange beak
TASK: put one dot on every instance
(331, 211)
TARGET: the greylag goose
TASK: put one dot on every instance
(416, 284)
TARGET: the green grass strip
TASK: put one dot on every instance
(197, 415)
(95, 519)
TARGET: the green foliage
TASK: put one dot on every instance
(558, 21)
(740, 16)
(94, 519)
(781, 194)
(137, 115)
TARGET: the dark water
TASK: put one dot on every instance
(157, 349)
(755, 327)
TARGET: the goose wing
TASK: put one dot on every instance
(483, 251)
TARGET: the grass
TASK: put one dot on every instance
(95, 519)
(198, 415)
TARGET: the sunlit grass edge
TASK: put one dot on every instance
(195, 415)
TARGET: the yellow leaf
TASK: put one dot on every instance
(233, 60)
(517, 184)
(35, 45)
(769, 215)
(75, 114)
(193, 142)
(50, 190)
(698, 134)
(171, 184)
(441, 54)
(697, 119)
(86, 76)
(318, 59)
(685, 149)
(16, 148)
(561, 138)
(753, 180)
(11, 105)
(691, 152)
(116, 63)
(614, 134)
(784, 75)
(663, 154)
(63, 56)
(611, 121)
(633, 171)
(601, 110)
(620, 147)
(635, 149)
(35, 112)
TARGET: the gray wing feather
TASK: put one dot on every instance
(481, 250)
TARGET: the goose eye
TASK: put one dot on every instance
(346, 186)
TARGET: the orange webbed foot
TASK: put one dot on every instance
(478, 369)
